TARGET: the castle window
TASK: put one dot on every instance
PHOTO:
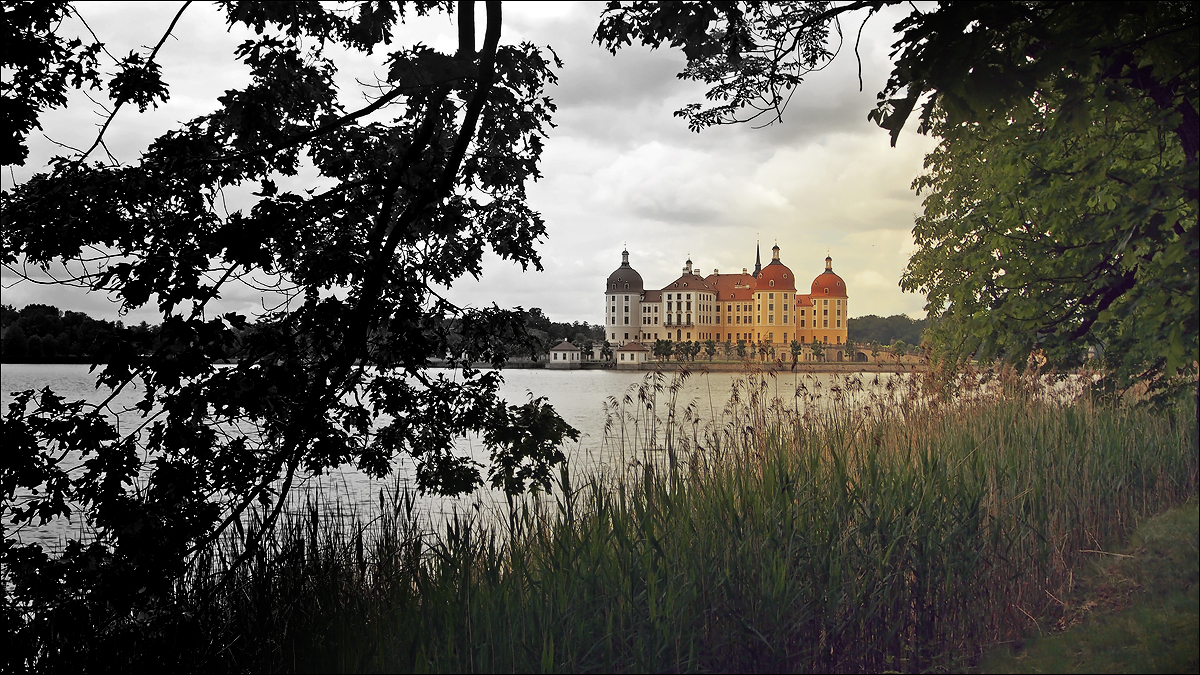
(626, 286)
(770, 296)
(772, 282)
(826, 291)
(627, 297)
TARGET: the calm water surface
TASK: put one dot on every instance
(580, 397)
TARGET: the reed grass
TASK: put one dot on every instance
(863, 526)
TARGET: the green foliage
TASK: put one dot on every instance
(663, 349)
(885, 330)
(682, 350)
(818, 350)
(1069, 229)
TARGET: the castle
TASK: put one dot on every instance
(760, 307)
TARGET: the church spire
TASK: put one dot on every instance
(757, 260)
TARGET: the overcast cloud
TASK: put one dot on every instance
(619, 169)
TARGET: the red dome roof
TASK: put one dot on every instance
(776, 276)
(829, 284)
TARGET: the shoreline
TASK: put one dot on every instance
(672, 366)
(719, 366)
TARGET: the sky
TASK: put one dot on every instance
(619, 170)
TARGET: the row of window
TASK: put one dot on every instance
(730, 337)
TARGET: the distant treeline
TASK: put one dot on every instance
(45, 334)
(885, 331)
(550, 333)
(40, 333)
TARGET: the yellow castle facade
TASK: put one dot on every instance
(763, 307)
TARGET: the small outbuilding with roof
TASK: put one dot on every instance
(631, 355)
(565, 356)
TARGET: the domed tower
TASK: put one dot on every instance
(622, 303)
(774, 299)
(830, 305)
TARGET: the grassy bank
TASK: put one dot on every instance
(869, 526)
(1136, 610)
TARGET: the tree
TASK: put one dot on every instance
(662, 349)
(818, 350)
(1065, 248)
(875, 352)
(401, 209)
(741, 349)
(16, 346)
(682, 350)
(606, 351)
(796, 348)
(710, 348)
(1099, 249)
(871, 328)
(899, 349)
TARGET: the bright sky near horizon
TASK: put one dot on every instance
(619, 169)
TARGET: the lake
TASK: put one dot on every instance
(579, 396)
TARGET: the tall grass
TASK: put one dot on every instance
(861, 526)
